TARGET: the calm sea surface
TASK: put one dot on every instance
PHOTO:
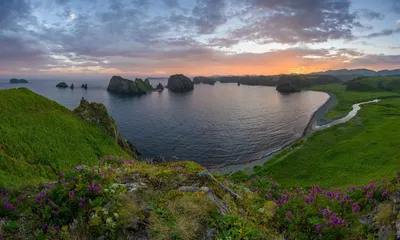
(213, 125)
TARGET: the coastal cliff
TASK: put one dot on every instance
(97, 113)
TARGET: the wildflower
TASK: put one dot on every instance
(267, 196)
(60, 174)
(289, 214)
(298, 190)
(254, 190)
(45, 228)
(80, 202)
(318, 228)
(94, 187)
(386, 192)
(111, 157)
(71, 195)
(370, 194)
(355, 207)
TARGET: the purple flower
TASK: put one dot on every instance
(71, 195)
(318, 228)
(111, 157)
(370, 194)
(45, 228)
(80, 202)
(267, 196)
(289, 214)
(386, 192)
(355, 207)
(94, 187)
(60, 174)
(255, 190)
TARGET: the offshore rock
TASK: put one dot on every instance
(180, 83)
(125, 86)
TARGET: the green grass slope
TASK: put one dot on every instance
(347, 98)
(39, 137)
(366, 147)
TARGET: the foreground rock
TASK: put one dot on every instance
(180, 83)
(125, 86)
(14, 80)
(97, 113)
(62, 85)
(204, 80)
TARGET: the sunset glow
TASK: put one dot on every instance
(196, 37)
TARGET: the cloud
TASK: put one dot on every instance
(72, 16)
(382, 33)
(208, 15)
(297, 21)
(171, 3)
(370, 14)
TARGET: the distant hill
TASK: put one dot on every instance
(350, 74)
(374, 84)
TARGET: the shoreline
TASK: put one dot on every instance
(317, 117)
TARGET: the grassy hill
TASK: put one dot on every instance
(39, 137)
(364, 148)
(377, 84)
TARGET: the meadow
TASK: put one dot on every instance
(39, 138)
(355, 152)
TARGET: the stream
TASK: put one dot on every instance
(350, 115)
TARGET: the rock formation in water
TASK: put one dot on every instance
(204, 80)
(179, 83)
(72, 86)
(160, 87)
(62, 85)
(15, 80)
(289, 83)
(97, 113)
(125, 86)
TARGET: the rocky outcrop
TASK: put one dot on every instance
(180, 83)
(14, 80)
(97, 113)
(288, 84)
(62, 85)
(72, 86)
(204, 80)
(125, 86)
(160, 87)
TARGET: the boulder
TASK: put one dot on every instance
(62, 85)
(160, 87)
(14, 80)
(125, 86)
(204, 80)
(180, 83)
(289, 84)
(97, 113)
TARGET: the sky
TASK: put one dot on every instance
(156, 38)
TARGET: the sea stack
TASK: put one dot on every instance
(62, 85)
(15, 80)
(180, 83)
(125, 86)
(72, 86)
(160, 87)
